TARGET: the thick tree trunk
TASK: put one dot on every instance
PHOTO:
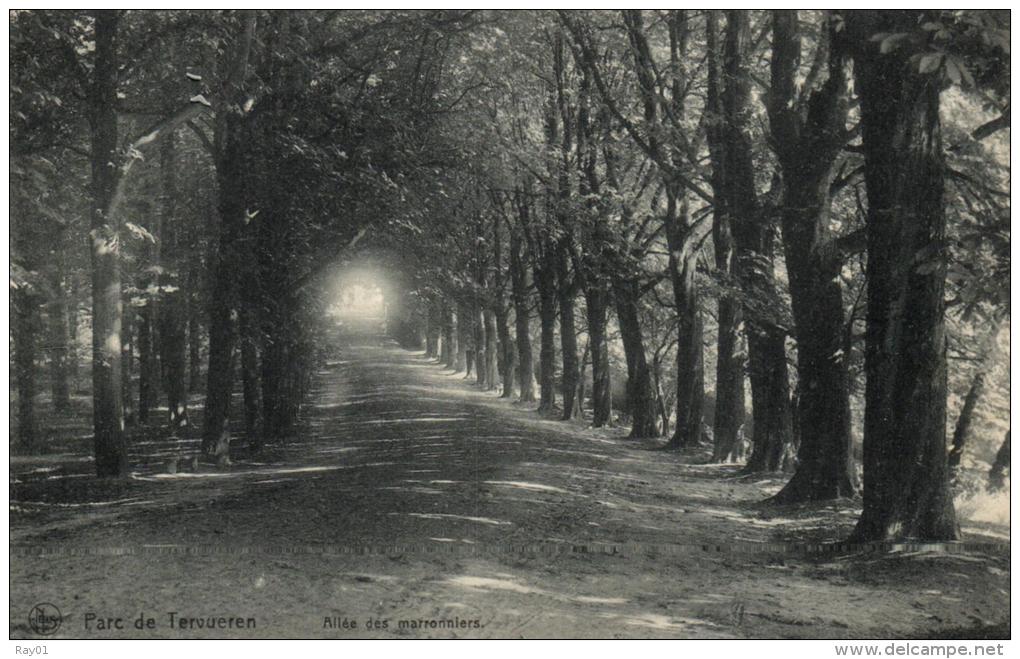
(545, 281)
(24, 332)
(227, 261)
(566, 291)
(770, 388)
(825, 463)
(641, 399)
(770, 399)
(808, 147)
(729, 369)
(223, 308)
(690, 395)
(690, 361)
(729, 382)
(519, 287)
(107, 403)
(906, 479)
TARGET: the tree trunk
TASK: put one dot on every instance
(977, 386)
(449, 336)
(431, 333)
(148, 364)
(24, 330)
(173, 341)
(729, 382)
(507, 348)
(107, 403)
(444, 336)
(173, 312)
(194, 336)
(996, 475)
(597, 303)
(285, 367)
(825, 462)
(227, 261)
(507, 351)
(491, 347)
(436, 329)
(223, 308)
(590, 267)
(566, 291)
(467, 338)
(545, 281)
(641, 398)
(461, 332)
(519, 288)
(275, 359)
(479, 343)
(770, 399)
(729, 369)
(807, 147)
(250, 377)
(582, 379)
(660, 396)
(690, 362)
(770, 388)
(59, 352)
(906, 480)
(974, 393)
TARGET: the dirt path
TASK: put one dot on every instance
(416, 500)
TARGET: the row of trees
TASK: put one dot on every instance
(721, 210)
(226, 160)
(791, 166)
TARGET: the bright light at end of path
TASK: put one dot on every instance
(359, 293)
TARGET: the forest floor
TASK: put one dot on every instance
(413, 498)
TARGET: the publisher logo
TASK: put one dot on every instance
(44, 618)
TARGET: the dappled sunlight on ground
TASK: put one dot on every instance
(411, 493)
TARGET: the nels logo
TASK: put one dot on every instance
(44, 618)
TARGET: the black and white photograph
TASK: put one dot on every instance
(336, 324)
